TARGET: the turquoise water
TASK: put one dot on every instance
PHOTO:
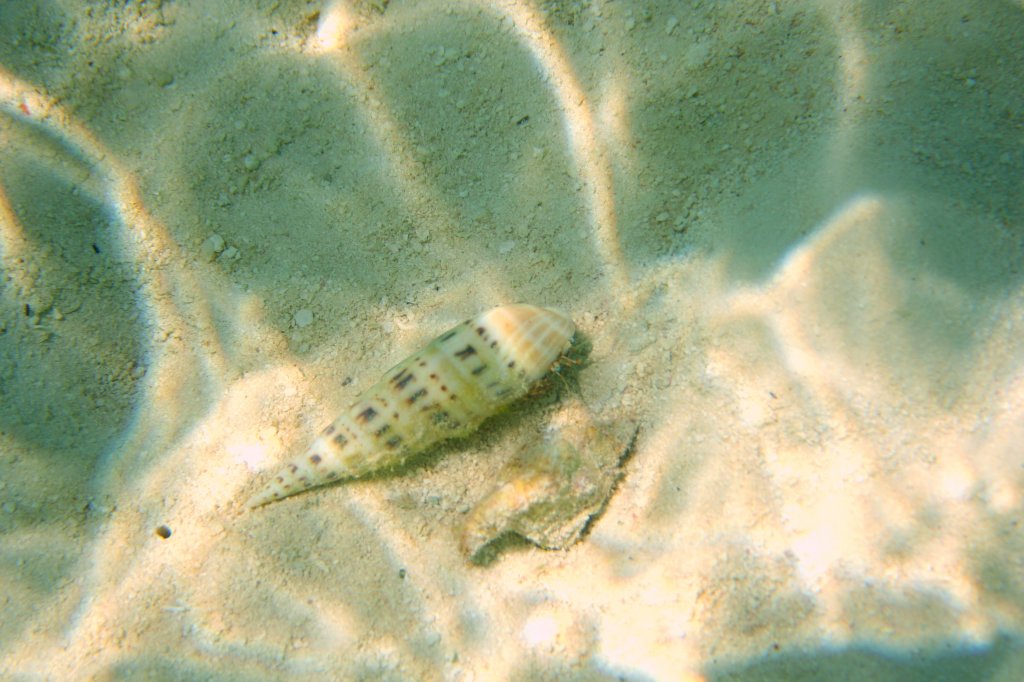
(789, 234)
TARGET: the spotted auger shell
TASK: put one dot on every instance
(446, 390)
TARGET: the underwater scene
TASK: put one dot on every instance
(512, 340)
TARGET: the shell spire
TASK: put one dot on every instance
(445, 390)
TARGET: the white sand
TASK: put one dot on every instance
(791, 230)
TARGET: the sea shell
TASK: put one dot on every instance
(446, 390)
(550, 493)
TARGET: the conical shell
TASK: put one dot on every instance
(447, 389)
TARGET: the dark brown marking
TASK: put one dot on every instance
(280, 479)
(433, 375)
(341, 440)
(423, 363)
(441, 418)
(493, 344)
(444, 388)
(394, 441)
(329, 430)
(480, 331)
(416, 396)
(292, 468)
(382, 430)
(477, 371)
(366, 415)
(314, 459)
(511, 364)
(163, 531)
(465, 352)
(447, 335)
(401, 383)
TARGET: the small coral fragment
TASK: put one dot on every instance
(549, 493)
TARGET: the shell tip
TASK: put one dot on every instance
(258, 500)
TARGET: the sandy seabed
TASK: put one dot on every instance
(791, 234)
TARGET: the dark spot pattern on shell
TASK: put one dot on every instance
(465, 352)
